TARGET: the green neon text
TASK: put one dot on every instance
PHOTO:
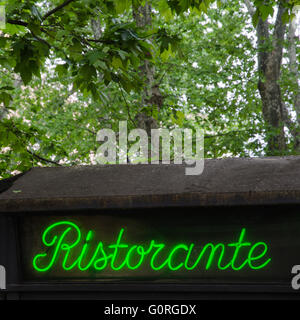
(67, 248)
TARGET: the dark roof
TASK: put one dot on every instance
(231, 181)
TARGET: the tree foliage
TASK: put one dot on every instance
(69, 68)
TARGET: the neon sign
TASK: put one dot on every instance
(67, 247)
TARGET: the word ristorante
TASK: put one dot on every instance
(66, 248)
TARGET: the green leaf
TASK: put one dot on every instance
(255, 18)
(286, 17)
(3, 42)
(88, 72)
(94, 56)
(100, 64)
(13, 29)
(5, 98)
(35, 28)
(35, 12)
(266, 11)
(116, 62)
(122, 5)
(26, 75)
(17, 191)
(61, 69)
(180, 118)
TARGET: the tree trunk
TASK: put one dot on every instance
(270, 48)
(269, 64)
(143, 19)
(293, 65)
(273, 116)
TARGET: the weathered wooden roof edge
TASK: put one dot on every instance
(230, 181)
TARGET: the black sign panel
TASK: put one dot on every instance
(224, 245)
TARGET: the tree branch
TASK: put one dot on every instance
(127, 106)
(279, 29)
(18, 134)
(263, 38)
(43, 159)
(17, 22)
(41, 40)
(64, 4)
(278, 40)
(208, 136)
